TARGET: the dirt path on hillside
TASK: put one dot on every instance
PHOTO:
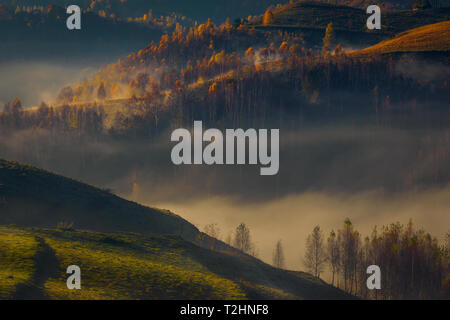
(46, 266)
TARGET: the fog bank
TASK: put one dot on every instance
(292, 218)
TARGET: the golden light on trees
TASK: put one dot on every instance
(268, 18)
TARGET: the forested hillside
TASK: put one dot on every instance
(201, 73)
(228, 76)
(416, 265)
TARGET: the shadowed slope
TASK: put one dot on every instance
(34, 197)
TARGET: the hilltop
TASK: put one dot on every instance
(434, 37)
(307, 14)
(311, 18)
(38, 198)
(388, 4)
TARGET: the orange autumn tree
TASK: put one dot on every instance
(268, 18)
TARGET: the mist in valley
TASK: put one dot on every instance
(330, 171)
(35, 82)
(292, 218)
(39, 80)
(373, 171)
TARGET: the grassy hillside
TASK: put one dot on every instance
(34, 197)
(434, 37)
(17, 250)
(146, 254)
(132, 266)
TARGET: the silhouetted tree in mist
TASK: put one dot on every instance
(278, 256)
(315, 255)
(242, 239)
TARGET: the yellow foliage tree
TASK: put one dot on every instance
(329, 38)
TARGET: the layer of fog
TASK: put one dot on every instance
(331, 158)
(33, 81)
(290, 219)
(422, 70)
(374, 175)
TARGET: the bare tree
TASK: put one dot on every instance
(213, 230)
(315, 256)
(278, 256)
(349, 252)
(242, 240)
(334, 255)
